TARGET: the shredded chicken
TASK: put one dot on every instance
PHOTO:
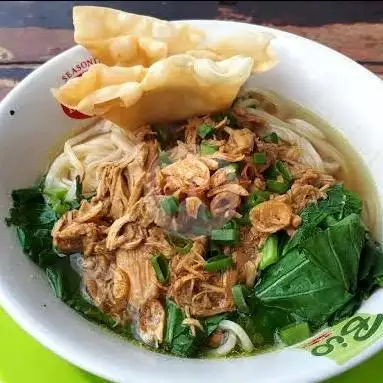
(143, 282)
(314, 177)
(124, 225)
(70, 236)
(191, 286)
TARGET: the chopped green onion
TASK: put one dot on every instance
(294, 333)
(171, 321)
(218, 263)
(169, 205)
(239, 299)
(279, 169)
(230, 225)
(284, 171)
(271, 138)
(207, 149)
(164, 159)
(225, 235)
(274, 174)
(277, 187)
(205, 130)
(160, 266)
(255, 198)
(181, 244)
(269, 253)
(259, 158)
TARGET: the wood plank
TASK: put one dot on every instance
(303, 13)
(58, 14)
(375, 68)
(361, 41)
(33, 44)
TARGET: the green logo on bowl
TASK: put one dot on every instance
(346, 339)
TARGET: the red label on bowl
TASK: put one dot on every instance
(77, 71)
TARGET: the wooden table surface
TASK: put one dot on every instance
(32, 32)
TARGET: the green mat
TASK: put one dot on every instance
(25, 360)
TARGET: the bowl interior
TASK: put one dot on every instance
(332, 86)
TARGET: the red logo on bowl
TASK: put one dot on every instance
(77, 71)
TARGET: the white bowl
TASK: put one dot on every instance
(331, 85)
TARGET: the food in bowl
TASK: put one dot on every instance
(198, 225)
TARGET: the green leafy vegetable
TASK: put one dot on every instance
(178, 337)
(263, 323)
(339, 203)
(316, 281)
(370, 273)
(34, 217)
(34, 220)
(63, 279)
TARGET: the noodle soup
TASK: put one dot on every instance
(207, 237)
